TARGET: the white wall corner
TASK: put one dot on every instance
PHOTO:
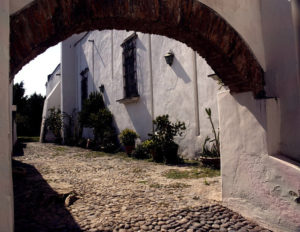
(273, 125)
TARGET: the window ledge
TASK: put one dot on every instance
(128, 100)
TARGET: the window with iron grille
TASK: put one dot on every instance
(129, 67)
(84, 85)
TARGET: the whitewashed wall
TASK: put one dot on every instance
(173, 86)
(283, 70)
(53, 80)
(254, 183)
(6, 185)
(53, 100)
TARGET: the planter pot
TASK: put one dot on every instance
(211, 161)
(129, 149)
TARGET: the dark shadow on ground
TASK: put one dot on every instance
(18, 149)
(38, 208)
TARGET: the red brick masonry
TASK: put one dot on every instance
(43, 23)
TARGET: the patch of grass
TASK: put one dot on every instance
(206, 182)
(60, 149)
(143, 182)
(178, 185)
(155, 185)
(95, 154)
(28, 139)
(194, 173)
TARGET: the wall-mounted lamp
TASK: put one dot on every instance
(169, 58)
(101, 88)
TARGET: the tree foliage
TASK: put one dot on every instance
(54, 123)
(29, 111)
(94, 115)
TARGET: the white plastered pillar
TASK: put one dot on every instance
(256, 182)
(6, 187)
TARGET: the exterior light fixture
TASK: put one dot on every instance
(169, 58)
(101, 88)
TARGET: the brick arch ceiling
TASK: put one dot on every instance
(44, 23)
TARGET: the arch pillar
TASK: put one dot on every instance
(256, 182)
(6, 187)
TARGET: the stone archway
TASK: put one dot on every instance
(44, 23)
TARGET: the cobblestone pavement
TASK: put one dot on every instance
(70, 189)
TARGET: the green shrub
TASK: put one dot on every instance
(128, 137)
(163, 147)
(71, 128)
(54, 123)
(142, 151)
(95, 115)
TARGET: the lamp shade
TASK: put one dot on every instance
(169, 58)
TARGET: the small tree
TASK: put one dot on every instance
(95, 115)
(163, 146)
(71, 127)
(128, 137)
(54, 123)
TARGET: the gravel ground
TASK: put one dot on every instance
(59, 188)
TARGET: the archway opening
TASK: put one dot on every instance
(190, 22)
(171, 85)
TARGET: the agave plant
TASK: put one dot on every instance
(214, 150)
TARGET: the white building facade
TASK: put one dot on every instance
(53, 100)
(137, 84)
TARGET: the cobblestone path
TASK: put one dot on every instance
(66, 189)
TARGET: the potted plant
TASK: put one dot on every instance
(127, 138)
(210, 155)
(163, 146)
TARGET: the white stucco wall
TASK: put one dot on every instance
(254, 183)
(53, 100)
(69, 75)
(282, 73)
(173, 87)
(174, 91)
(16, 5)
(54, 78)
(6, 186)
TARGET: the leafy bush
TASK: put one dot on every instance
(95, 115)
(163, 147)
(54, 123)
(91, 106)
(71, 128)
(214, 149)
(142, 151)
(29, 111)
(128, 137)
